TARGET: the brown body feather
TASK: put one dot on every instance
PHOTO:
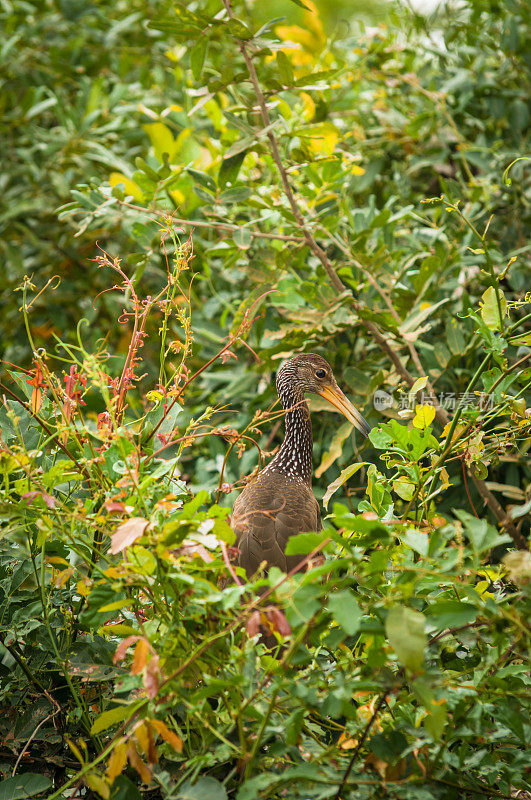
(280, 503)
(266, 514)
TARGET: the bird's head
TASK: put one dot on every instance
(309, 372)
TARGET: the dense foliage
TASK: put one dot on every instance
(192, 193)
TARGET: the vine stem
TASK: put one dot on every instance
(44, 426)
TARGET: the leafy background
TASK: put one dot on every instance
(191, 194)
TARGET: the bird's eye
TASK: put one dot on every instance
(320, 373)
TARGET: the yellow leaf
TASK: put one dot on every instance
(117, 630)
(76, 751)
(347, 473)
(460, 427)
(178, 196)
(137, 763)
(140, 657)
(214, 113)
(335, 448)
(321, 139)
(346, 742)
(61, 578)
(311, 35)
(161, 138)
(130, 187)
(142, 737)
(83, 589)
(424, 416)
(112, 572)
(115, 605)
(445, 478)
(98, 784)
(308, 106)
(169, 736)
(419, 384)
(284, 108)
(117, 762)
(294, 33)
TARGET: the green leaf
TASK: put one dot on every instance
(285, 69)
(435, 721)
(91, 617)
(124, 789)
(303, 605)
(345, 609)
(27, 784)
(411, 325)
(412, 442)
(345, 474)
(483, 536)
(419, 542)
(229, 169)
(197, 57)
(204, 788)
(202, 179)
(242, 238)
(451, 614)
(303, 543)
(110, 718)
(405, 630)
(490, 311)
(404, 488)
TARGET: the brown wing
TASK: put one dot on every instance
(266, 514)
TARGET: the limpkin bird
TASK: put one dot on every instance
(280, 502)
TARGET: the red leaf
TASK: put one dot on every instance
(278, 621)
(29, 497)
(123, 646)
(151, 678)
(253, 624)
(127, 533)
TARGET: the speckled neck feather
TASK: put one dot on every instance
(295, 455)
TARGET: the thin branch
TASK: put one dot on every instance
(222, 226)
(361, 742)
(31, 738)
(229, 566)
(382, 341)
(264, 113)
(241, 617)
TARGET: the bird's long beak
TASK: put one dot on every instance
(335, 396)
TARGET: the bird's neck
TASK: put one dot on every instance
(295, 455)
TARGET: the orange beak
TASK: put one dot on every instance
(335, 396)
